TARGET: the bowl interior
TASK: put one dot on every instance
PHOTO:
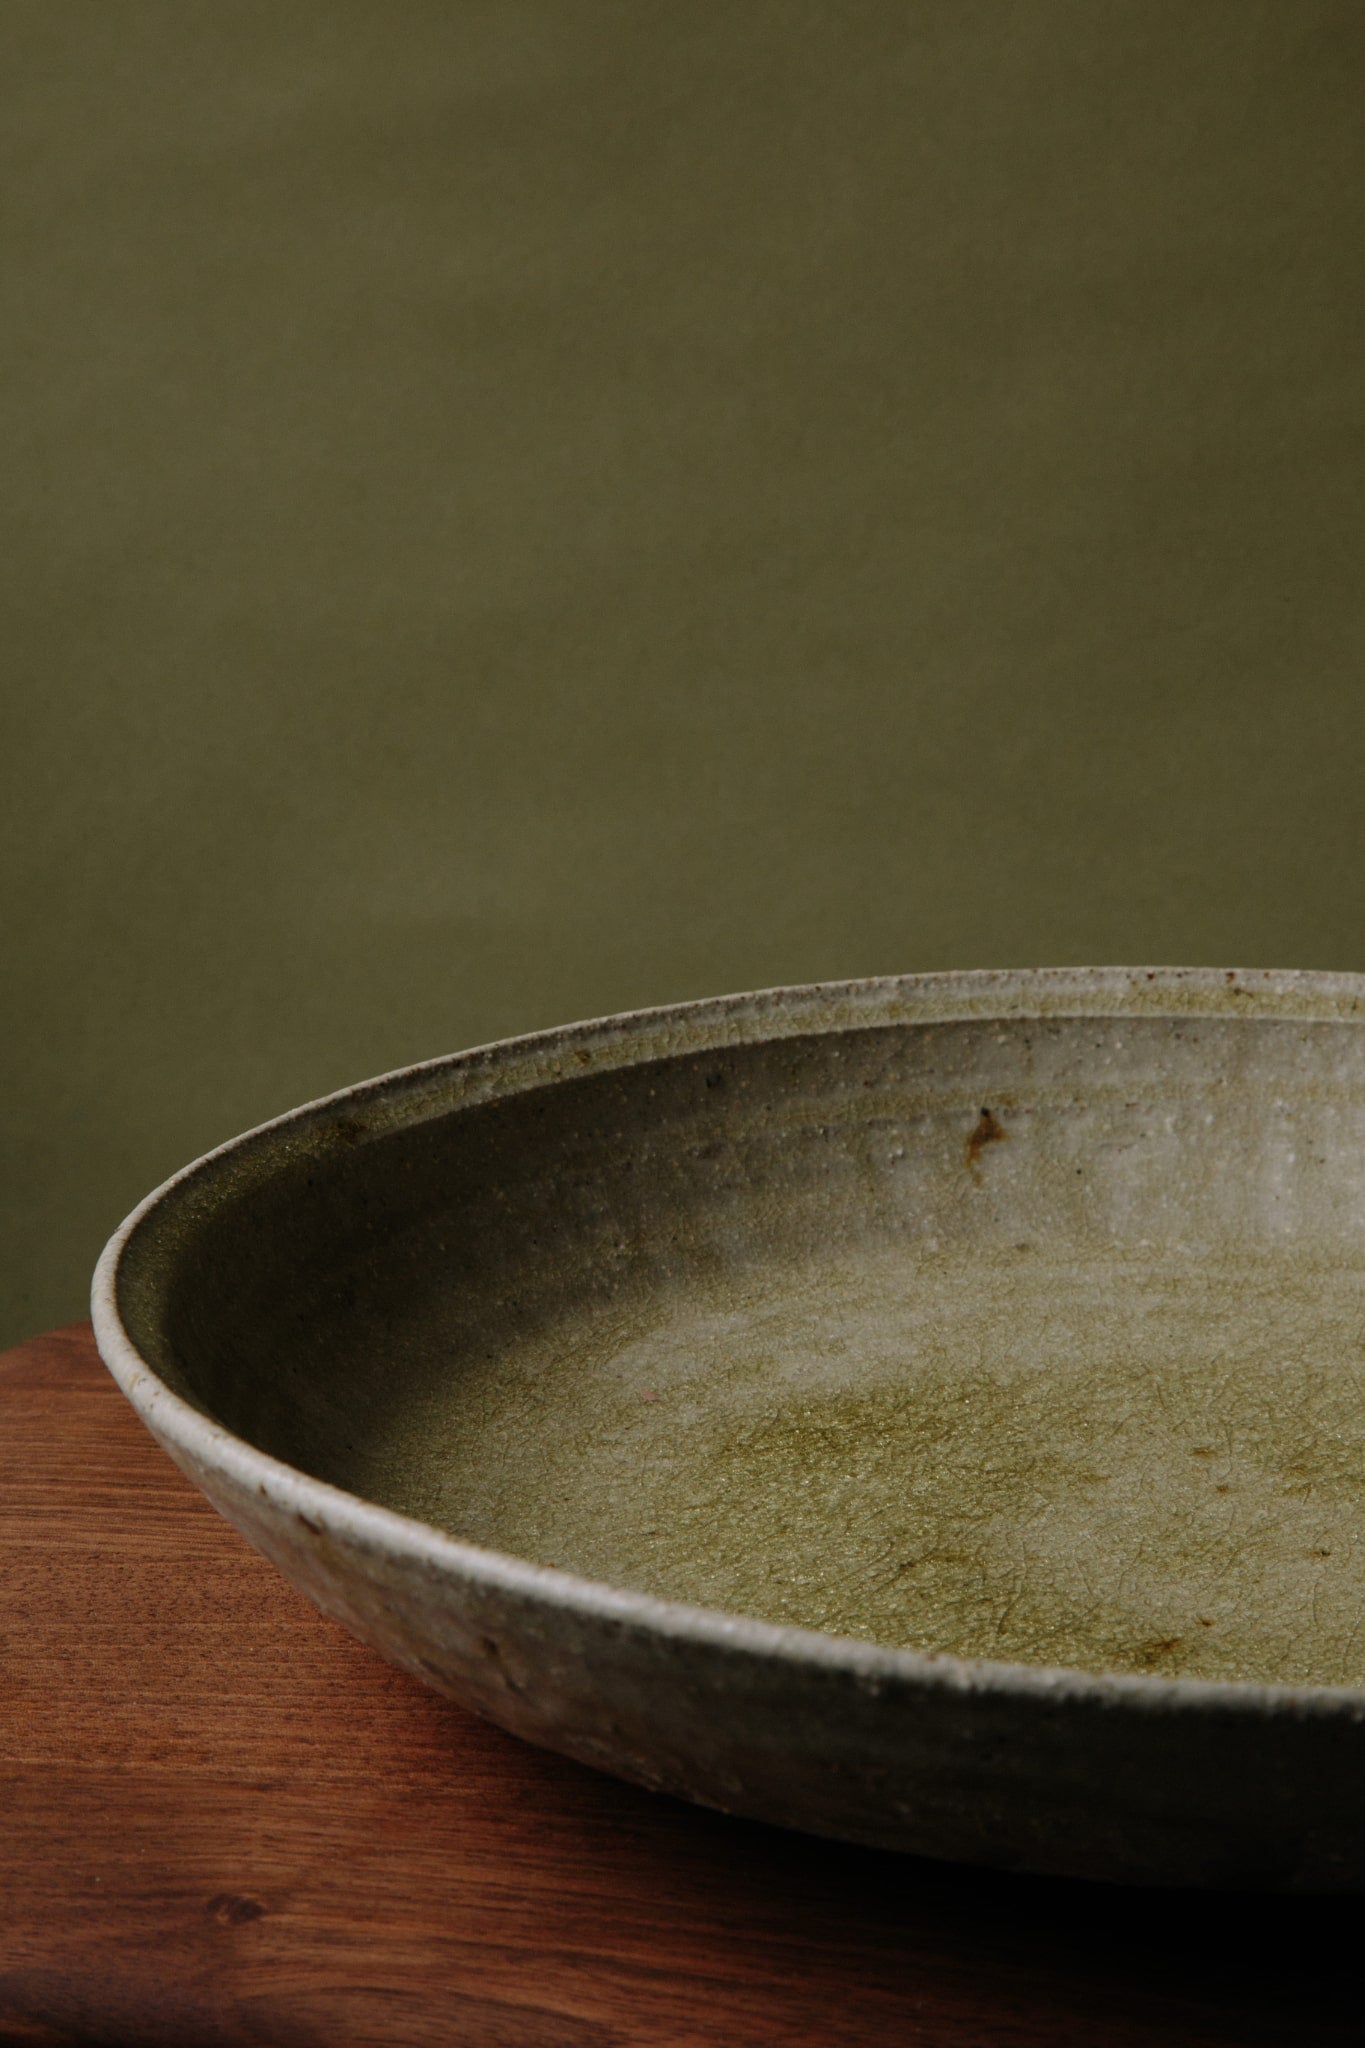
(1030, 1339)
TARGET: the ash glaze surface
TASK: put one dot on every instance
(1006, 1330)
(1103, 1462)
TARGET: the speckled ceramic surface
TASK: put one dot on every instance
(930, 1411)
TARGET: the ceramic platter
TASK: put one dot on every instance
(928, 1411)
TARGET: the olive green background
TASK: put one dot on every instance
(513, 511)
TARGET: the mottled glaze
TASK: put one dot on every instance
(929, 1411)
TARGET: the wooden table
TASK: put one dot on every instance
(223, 1822)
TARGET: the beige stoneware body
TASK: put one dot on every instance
(927, 1411)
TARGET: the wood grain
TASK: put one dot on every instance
(224, 1822)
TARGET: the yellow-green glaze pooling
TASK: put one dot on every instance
(1115, 1463)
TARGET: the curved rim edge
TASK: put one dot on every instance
(945, 998)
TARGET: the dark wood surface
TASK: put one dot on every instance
(222, 1821)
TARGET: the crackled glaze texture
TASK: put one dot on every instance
(1014, 1320)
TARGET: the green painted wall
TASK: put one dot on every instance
(513, 511)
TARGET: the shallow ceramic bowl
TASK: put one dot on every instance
(926, 1411)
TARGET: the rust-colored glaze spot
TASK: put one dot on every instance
(988, 1132)
(1156, 1653)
